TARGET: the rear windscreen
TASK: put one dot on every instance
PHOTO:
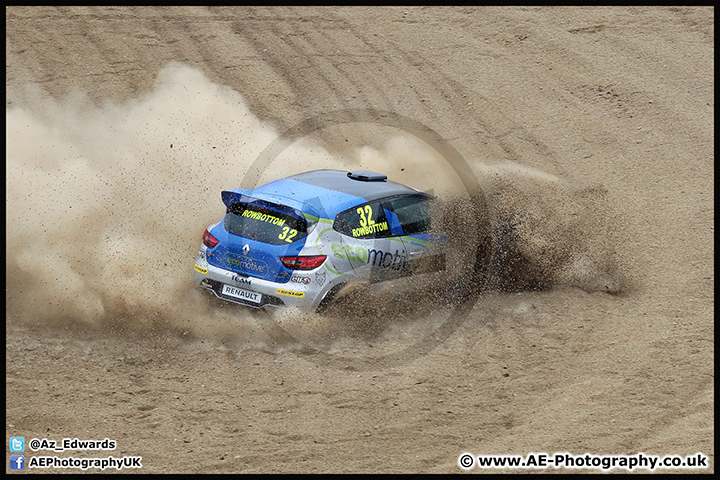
(264, 224)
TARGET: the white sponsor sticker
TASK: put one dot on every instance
(241, 293)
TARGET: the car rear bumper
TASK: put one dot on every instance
(255, 292)
(217, 289)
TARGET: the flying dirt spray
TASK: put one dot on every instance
(106, 205)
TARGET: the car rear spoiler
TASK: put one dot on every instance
(278, 203)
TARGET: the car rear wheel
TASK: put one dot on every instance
(329, 297)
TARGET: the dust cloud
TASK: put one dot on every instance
(106, 205)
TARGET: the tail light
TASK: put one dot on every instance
(209, 240)
(307, 262)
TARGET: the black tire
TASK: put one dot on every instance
(329, 297)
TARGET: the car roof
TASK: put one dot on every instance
(328, 192)
(341, 181)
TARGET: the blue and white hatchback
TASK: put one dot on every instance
(297, 241)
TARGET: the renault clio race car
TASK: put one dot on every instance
(297, 241)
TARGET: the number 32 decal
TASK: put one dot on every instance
(365, 216)
(287, 234)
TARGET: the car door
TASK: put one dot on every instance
(373, 246)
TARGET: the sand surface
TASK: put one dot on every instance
(589, 132)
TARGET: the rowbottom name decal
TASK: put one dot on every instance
(264, 217)
(367, 224)
(374, 228)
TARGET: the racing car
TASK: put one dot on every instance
(297, 241)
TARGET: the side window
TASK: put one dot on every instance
(413, 213)
(364, 221)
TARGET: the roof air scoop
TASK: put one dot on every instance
(367, 176)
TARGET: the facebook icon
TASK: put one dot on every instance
(17, 462)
